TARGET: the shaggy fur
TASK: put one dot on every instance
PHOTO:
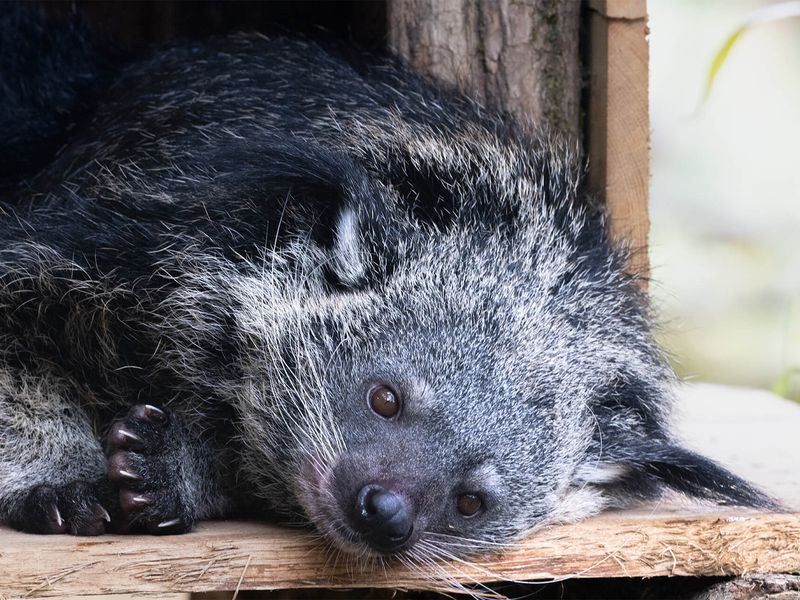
(249, 233)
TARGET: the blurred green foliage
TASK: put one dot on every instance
(725, 191)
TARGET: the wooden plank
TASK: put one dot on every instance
(618, 126)
(220, 555)
(657, 541)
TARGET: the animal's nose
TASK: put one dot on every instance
(384, 517)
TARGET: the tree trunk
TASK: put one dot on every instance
(521, 57)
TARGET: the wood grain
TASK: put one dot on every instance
(618, 126)
(218, 555)
(520, 57)
(728, 424)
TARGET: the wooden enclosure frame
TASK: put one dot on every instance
(618, 120)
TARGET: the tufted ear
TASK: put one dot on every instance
(288, 191)
(633, 457)
(643, 468)
(695, 475)
(350, 261)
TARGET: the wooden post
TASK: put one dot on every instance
(618, 126)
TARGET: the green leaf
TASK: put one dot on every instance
(719, 59)
(773, 12)
(783, 385)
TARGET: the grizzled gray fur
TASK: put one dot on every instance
(262, 278)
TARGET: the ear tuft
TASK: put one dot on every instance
(695, 475)
(645, 472)
(349, 255)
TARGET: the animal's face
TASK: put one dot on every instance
(474, 385)
(447, 376)
(447, 404)
(451, 418)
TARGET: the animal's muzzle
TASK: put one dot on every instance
(384, 517)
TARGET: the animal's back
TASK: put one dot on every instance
(171, 112)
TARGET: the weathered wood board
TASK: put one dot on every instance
(224, 556)
(751, 431)
(618, 123)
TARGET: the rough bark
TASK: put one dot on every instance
(517, 56)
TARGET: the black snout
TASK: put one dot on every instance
(383, 516)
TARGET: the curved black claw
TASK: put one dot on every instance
(144, 457)
(74, 508)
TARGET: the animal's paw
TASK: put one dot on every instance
(144, 456)
(73, 508)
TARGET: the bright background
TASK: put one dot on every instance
(725, 194)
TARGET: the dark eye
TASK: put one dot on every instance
(384, 401)
(469, 505)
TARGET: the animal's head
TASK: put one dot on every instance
(454, 374)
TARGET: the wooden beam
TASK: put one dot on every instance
(618, 126)
(218, 556)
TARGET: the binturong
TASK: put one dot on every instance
(255, 277)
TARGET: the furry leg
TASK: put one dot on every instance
(51, 464)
